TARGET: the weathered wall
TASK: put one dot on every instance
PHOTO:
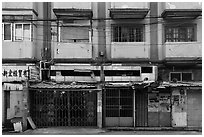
(77, 5)
(15, 109)
(183, 5)
(183, 49)
(25, 5)
(72, 50)
(129, 5)
(18, 50)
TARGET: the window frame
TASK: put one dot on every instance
(181, 77)
(22, 25)
(179, 27)
(133, 26)
(3, 25)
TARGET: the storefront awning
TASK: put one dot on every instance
(180, 84)
(128, 13)
(52, 85)
(181, 13)
(139, 84)
(73, 13)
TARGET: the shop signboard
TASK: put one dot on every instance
(19, 73)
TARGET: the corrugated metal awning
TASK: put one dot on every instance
(180, 84)
(142, 84)
(52, 85)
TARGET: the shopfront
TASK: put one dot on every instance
(63, 105)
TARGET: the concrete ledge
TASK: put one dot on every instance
(154, 128)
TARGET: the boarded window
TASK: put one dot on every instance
(179, 34)
(74, 34)
(128, 33)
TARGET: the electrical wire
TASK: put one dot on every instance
(140, 43)
(172, 23)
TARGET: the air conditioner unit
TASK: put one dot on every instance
(149, 73)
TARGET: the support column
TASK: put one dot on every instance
(153, 31)
(25, 105)
(99, 109)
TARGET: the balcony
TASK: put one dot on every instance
(175, 50)
(73, 51)
(131, 50)
(18, 50)
(22, 8)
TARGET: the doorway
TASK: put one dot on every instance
(119, 107)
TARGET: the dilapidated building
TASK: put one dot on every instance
(102, 64)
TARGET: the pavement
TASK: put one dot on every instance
(59, 131)
(96, 131)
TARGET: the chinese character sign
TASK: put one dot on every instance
(16, 73)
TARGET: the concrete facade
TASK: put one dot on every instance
(105, 42)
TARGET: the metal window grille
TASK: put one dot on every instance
(179, 34)
(128, 33)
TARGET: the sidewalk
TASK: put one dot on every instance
(59, 131)
(105, 131)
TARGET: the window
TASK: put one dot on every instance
(179, 34)
(7, 31)
(181, 76)
(74, 34)
(128, 33)
(146, 69)
(22, 32)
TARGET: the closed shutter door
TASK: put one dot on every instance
(194, 108)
